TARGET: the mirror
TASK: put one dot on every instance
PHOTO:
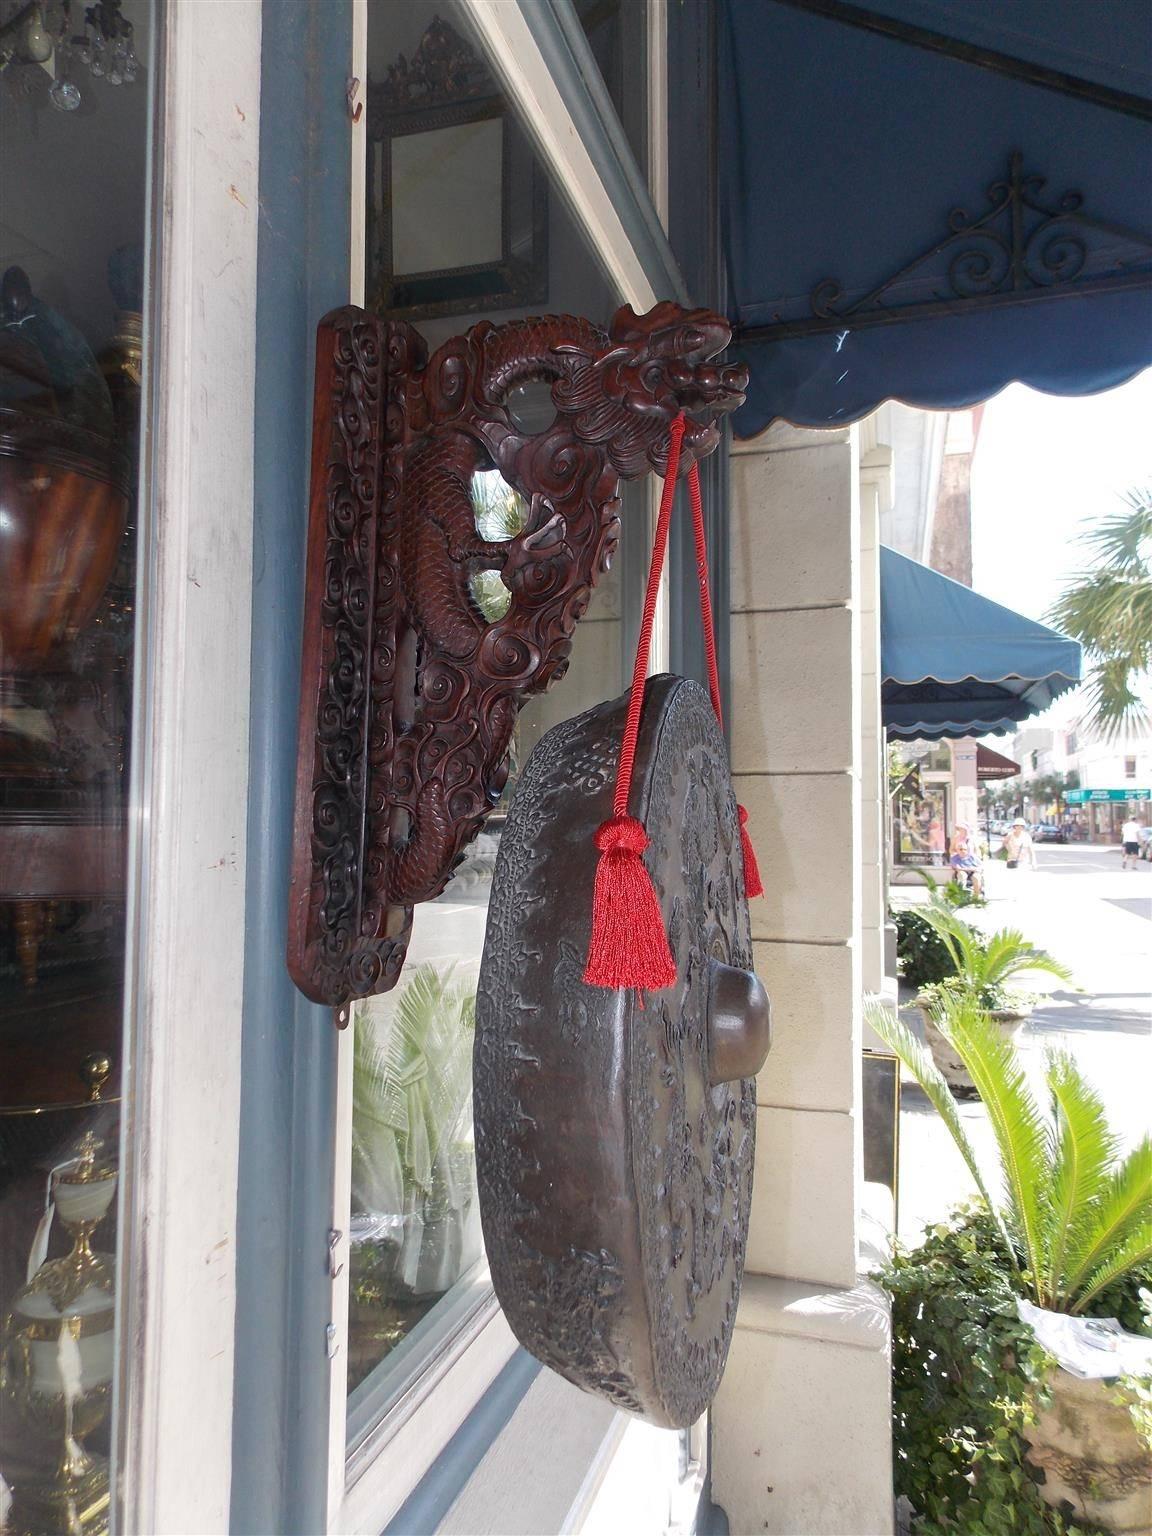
(457, 209)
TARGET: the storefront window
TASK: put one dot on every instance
(416, 1241)
(922, 825)
(74, 126)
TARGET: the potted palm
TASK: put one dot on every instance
(985, 966)
(1069, 1235)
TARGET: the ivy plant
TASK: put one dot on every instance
(967, 1376)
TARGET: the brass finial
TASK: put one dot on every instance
(95, 1070)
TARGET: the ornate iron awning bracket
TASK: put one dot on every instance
(1019, 251)
(410, 691)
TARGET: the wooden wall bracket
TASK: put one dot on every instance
(409, 693)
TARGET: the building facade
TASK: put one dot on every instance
(288, 1323)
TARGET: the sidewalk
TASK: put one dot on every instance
(1097, 919)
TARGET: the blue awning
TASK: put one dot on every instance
(927, 199)
(954, 663)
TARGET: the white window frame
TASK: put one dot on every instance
(369, 1483)
(189, 798)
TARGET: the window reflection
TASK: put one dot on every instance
(416, 1242)
(74, 113)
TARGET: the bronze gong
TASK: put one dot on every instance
(615, 1141)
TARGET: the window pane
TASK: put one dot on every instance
(617, 32)
(415, 1228)
(74, 123)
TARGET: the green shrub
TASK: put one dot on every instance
(921, 954)
(966, 1377)
(964, 1368)
(1069, 1227)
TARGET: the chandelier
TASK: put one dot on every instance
(48, 34)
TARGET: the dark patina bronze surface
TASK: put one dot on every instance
(614, 1147)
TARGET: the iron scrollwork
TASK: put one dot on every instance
(410, 694)
(1020, 249)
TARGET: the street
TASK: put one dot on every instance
(1096, 918)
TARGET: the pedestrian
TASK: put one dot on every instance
(965, 862)
(1130, 841)
(1018, 845)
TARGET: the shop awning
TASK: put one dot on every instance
(991, 766)
(954, 663)
(926, 199)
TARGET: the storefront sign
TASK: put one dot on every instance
(1100, 796)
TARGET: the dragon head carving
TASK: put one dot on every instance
(657, 365)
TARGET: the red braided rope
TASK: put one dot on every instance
(648, 619)
(705, 592)
(753, 884)
(628, 946)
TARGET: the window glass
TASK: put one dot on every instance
(74, 124)
(617, 32)
(416, 1243)
(921, 825)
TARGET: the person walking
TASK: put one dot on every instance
(965, 860)
(1130, 841)
(1018, 845)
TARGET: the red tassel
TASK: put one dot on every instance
(753, 885)
(629, 947)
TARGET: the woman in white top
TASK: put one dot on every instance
(1018, 845)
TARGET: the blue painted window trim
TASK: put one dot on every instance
(287, 1132)
(282, 1393)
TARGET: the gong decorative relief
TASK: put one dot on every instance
(615, 1131)
(410, 691)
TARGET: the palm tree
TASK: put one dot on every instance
(1075, 1214)
(1108, 608)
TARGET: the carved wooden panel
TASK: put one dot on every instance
(615, 1136)
(409, 693)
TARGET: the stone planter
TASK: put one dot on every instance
(954, 1071)
(1092, 1457)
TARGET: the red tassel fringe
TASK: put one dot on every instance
(753, 885)
(629, 947)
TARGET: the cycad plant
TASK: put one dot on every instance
(1075, 1213)
(985, 964)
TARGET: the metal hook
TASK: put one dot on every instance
(355, 108)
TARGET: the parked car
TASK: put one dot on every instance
(1049, 832)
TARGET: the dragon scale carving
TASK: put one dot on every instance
(410, 694)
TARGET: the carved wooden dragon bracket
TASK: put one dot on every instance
(410, 694)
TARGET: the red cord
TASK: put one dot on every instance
(644, 643)
(628, 945)
(753, 884)
(705, 592)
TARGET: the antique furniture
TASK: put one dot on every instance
(409, 691)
